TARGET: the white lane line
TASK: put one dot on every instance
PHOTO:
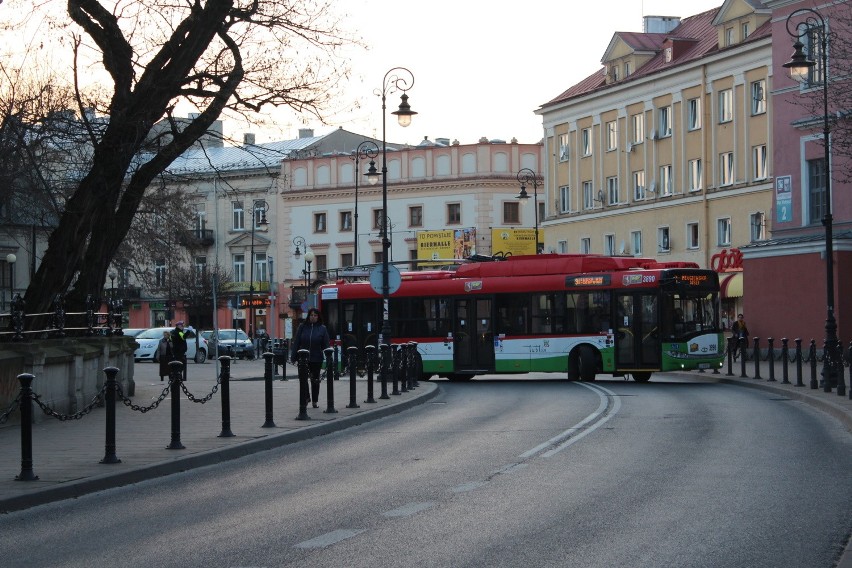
(509, 468)
(330, 538)
(408, 510)
(469, 486)
(616, 406)
(570, 431)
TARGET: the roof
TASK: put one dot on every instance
(698, 29)
(250, 156)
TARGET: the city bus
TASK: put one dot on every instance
(581, 315)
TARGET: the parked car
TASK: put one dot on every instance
(132, 331)
(230, 342)
(149, 343)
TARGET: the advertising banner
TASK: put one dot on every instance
(512, 242)
(446, 244)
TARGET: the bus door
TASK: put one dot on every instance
(473, 335)
(637, 333)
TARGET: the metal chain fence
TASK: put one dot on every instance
(8, 412)
(97, 400)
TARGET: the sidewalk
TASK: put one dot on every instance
(66, 454)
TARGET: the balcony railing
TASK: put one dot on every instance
(196, 238)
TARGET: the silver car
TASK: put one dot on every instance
(230, 342)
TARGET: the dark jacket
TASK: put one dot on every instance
(165, 355)
(179, 344)
(740, 329)
(314, 338)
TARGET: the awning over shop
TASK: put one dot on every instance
(731, 284)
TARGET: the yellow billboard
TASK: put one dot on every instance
(446, 244)
(513, 242)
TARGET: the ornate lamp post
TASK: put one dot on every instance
(258, 219)
(397, 79)
(10, 260)
(526, 175)
(366, 150)
(800, 67)
(300, 243)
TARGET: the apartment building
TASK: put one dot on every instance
(664, 152)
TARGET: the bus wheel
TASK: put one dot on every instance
(642, 377)
(586, 362)
(459, 377)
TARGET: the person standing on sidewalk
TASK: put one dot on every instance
(313, 336)
(179, 345)
(165, 355)
(740, 331)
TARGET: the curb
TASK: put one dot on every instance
(89, 485)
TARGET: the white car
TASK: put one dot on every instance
(149, 342)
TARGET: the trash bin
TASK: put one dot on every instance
(279, 353)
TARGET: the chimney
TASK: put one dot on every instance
(248, 139)
(306, 133)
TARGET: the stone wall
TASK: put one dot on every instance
(68, 372)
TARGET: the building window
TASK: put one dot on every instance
(160, 272)
(377, 257)
(694, 114)
(667, 54)
(665, 180)
(260, 264)
(564, 199)
(726, 168)
(609, 245)
(692, 241)
(757, 221)
(511, 213)
(320, 263)
(626, 69)
(585, 245)
(746, 30)
(563, 147)
(723, 232)
(239, 216)
(377, 219)
(636, 242)
(638, 128)
(816, 190)
(663, 241)
(259, 215)
(586, 136)
(588, 195)
(729, 37)
(614, 70)
(813, 49)
(319, 222)
(200, 221)
(239, 268)
(758, 157)
(726, 105)
(415, 216)
(665, 121)
(562, 247)
(453, 213)
(612, 190)
(200, 269)
(758, 97)
(346, 259)
(611, 135)
(639, 185)
(694, 175)
(346, 220)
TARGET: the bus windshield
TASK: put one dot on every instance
(687, 314)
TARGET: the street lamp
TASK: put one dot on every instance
(300, 243)
(112, 274)
(10, 260)
(526, 175)
(258, 219)
(397, 79)
(366, 149)
(309, 259)
(800, 67)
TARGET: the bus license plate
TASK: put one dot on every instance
(704, 365)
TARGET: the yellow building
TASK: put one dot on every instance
(664, 152)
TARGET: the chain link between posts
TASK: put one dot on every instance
(143, 409)
(15, 403)
(97, 400)
(192, 398)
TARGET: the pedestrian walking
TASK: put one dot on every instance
(313, 336)
(179, 346)
(165, 354)
(740, 333)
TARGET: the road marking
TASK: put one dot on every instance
(408, 510)
(571, 434)
(469, 486)
(616, 406)
(330, 538)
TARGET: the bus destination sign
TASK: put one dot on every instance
(692, 279)
(587, 281)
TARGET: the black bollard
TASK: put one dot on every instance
(175, 374)
(771, 358)
(267, 390)
(353, 363)
(302, 365)
(732, 342)
(415, 380)
(394, 367)
(756, 358)
(799, 382)
(841, 371)
(26, 407)
(742, 345)
(337, 346)
(330, 363)
(109, 402)
(785, 353)
(371, 362)
(813, 362)
(384, 369)
(225, 380)
(402, 367)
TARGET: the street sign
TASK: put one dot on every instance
(394, 279)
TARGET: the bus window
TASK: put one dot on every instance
(512, 310)
(689, 314)
(592, 312)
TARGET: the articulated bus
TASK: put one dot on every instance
(582, 315)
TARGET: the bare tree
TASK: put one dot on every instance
(237, 55)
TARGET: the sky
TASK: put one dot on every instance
(481, 67)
